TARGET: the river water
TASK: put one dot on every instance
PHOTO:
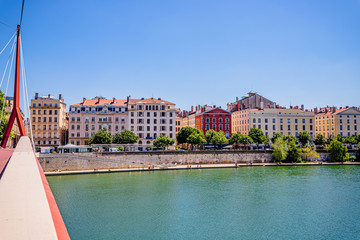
(312, 202)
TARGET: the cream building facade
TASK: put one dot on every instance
(49, 121)
(151, 117)
(331, 122)
(92, 115)
(272, 120)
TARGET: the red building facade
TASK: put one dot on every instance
(216, 119)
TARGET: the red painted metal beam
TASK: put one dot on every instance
(5, 155)
(15, 113)
(59, 224)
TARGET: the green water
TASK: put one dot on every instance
(248, 203)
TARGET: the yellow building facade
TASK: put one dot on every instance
(272, 120)
(332, 122)
(49, 121)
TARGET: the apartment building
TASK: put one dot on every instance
(49, 121)
(179, 120)
(250, 101)
(330, 121)
(151, 117)
(216, 119)
(271, 120)
(92, 115)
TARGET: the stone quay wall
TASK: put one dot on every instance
(91, 161)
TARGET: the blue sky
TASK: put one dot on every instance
(191, 52)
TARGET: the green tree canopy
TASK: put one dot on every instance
(338, 152)
(279, 152)
(235, 138)
(101, 137)
(291, 138)
(184, 133)
(330, 139)
(340, 138)
(196, 138)
(210, 134)
(304, 138)
(257, 135)
(293, 152)
(350, 140)
(308, 153)
(276, 136)
(5, 116)
(163, 141)
(219, 139)
(125, 137)
(319, 140)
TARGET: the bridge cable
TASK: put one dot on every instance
(7, 43)
(22, 11)
(7, 63)
(12, 54)
(7, 25)
(26, 95)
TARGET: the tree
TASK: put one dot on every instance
(340, 138)
(291, 138)
(101, 137)
(357, 138)
(235, 138)
(350, 140)
(276, 136)
(257, 135)
(163, 141)
(4, 120)
(245, 139)
(125, 137)
(219, 139)
(279, 152)
(293, 152)
(304, 138)
(210, 134)
(196, 138)
(330, 139)
(319, 140)
(309, 153)
(184, 133)
(238, 138)
(338, 152)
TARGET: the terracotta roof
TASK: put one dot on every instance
(149, 100)
(331, 113)
(96, 102)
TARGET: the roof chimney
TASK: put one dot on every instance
(84, 99)
(49, 95)
(113, 101)
(36, 95)
(192, 108)
(302, 107)
(60, 97)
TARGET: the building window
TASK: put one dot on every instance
(220, 127)
(289, 120)
(207, 127)
(214, 127)
(259, 120)
(273, 127)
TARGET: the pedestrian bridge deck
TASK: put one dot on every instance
(27, 207)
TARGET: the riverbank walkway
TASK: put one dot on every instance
(194, 166)
(27, 206)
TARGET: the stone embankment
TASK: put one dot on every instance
(98, 161)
